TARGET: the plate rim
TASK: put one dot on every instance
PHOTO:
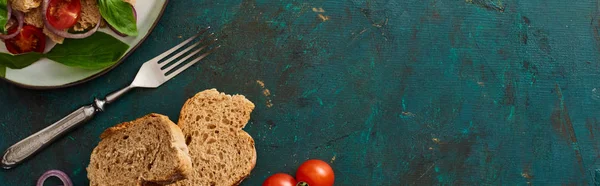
(133, 49)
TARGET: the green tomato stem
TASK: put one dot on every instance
(302, 184)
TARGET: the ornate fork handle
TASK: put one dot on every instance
(34, 143)
(29, 146)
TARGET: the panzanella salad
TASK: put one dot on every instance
(26, 26)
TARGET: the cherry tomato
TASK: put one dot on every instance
(63, 14)
(280, 179)
(31, 39)
(315, 173)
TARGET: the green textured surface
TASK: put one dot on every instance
(415, 92)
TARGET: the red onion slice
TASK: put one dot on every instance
(55, 173)
(116, 31)
(19, 17)
(63, 33)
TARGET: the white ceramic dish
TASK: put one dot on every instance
(47, 74)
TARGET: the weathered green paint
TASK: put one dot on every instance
(467, 92)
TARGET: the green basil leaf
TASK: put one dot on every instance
(119, 15)
(95, 52)
(3, 16)
(19, 61)
(2, 71)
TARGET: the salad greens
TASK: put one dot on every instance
(95, 52)
(119, 14)
(3, 15)
(19, 61)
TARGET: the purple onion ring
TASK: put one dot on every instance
(55, 173)
(20, 19)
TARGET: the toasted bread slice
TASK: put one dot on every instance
(148, 151)
(53, 37)
(25, 5)
(34, 17)
(222, 153)
(90, 15)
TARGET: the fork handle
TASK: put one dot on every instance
(27, 147)
(116, 95)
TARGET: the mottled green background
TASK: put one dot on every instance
(391, 92)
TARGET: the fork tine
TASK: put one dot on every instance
(188, 56)
(174, 57)
(191, 63)
(168, 52)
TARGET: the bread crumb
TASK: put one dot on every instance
(265, 92)
(269, 103)
(526, 175)
(408, 114)
(261, 83)
(319, 10)
(323, 17)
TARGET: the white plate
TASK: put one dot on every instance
(47, 74)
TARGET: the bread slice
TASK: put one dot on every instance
(25, 5)
(90, 15)
(53, 37)
(34, 17)
(148, 151)
(222, 153)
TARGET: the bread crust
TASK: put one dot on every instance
(183, 168)
(253, 159)
(243, 108)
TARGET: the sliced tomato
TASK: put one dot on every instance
(31, 39)
(63, 14)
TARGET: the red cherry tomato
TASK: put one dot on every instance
(31, 39)
(63, 14)
(280, 179)
(315, 173)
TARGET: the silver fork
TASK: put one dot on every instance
(152, 74)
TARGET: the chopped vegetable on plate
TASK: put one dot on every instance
(27, 25)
